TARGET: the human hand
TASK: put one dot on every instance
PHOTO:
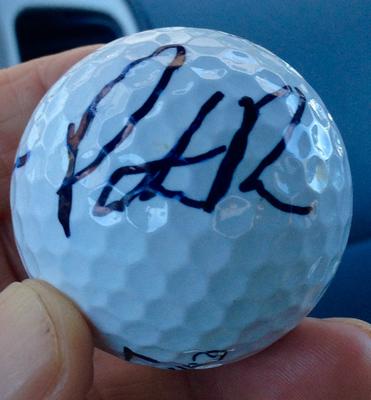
(46, 348)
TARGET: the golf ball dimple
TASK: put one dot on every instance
(189, 191)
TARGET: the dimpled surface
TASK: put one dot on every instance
(164, 281)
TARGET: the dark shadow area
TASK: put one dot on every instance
(43, 31)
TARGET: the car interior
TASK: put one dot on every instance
(325, 41)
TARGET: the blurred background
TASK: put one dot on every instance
(327, 41)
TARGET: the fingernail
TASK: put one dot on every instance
(362, 325)
(29, 356)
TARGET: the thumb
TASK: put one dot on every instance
(45, 345)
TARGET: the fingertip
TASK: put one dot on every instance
(45, 344)
(363, 326)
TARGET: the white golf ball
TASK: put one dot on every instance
(189, 191)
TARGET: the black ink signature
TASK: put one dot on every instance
(211, 355)
(22, 160)
(154, 172)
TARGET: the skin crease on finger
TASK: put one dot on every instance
(318, 360)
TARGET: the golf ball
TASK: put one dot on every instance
(188, 190)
